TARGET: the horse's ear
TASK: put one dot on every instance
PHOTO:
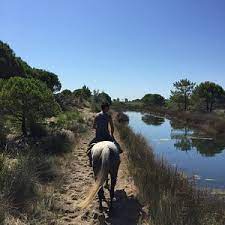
(93, 144)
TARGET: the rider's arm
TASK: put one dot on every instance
(112, 126)
(95, 124)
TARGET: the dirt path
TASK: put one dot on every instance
(77, 182)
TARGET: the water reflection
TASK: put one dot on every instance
(153, 120)
(186, 140)
(189, 150)
(208, 147)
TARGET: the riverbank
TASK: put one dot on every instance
(170, 197)
(209, 123)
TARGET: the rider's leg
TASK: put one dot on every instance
(89, 150)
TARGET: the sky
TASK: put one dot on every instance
(125, 47)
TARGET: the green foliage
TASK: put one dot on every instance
(83, 93)
(27, 100)
(49, 78)
(70, 120)
(68, 100)
(153, 100)
(182, 92)
(3, 133)
(209, 92)
(98, 98)
(63, 120)
(65, 99)
(66, 92)
(11, 66)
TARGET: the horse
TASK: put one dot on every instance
(105, 161)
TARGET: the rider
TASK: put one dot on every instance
(101, 125)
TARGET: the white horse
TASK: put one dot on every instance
(105, 161)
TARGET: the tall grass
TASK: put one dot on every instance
(171, 198)
(26, 169)
(58, 142)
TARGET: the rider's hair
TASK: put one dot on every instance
(104, 105)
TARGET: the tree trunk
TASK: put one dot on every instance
(24, 128)
(211, 107)
(207, 106)
(185, 102)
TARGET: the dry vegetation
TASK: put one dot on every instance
(28, 169)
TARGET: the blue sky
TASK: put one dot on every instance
(124, 47)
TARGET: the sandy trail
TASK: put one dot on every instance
(77, 182)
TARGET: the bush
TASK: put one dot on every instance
(122, 117)
(95, 107)
(66, 119)
(58, 142)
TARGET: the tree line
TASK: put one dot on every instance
(187, 95)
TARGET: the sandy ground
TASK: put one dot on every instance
(78, 178)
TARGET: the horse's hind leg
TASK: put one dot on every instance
(96, 169)
(113, 183)
(101, 197)
(107, 183)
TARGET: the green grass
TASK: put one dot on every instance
(170, 197)
(70, 120)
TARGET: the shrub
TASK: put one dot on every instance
(122, 117)
(66, 119)
(58, 142)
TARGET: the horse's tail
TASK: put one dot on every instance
(100, 179)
